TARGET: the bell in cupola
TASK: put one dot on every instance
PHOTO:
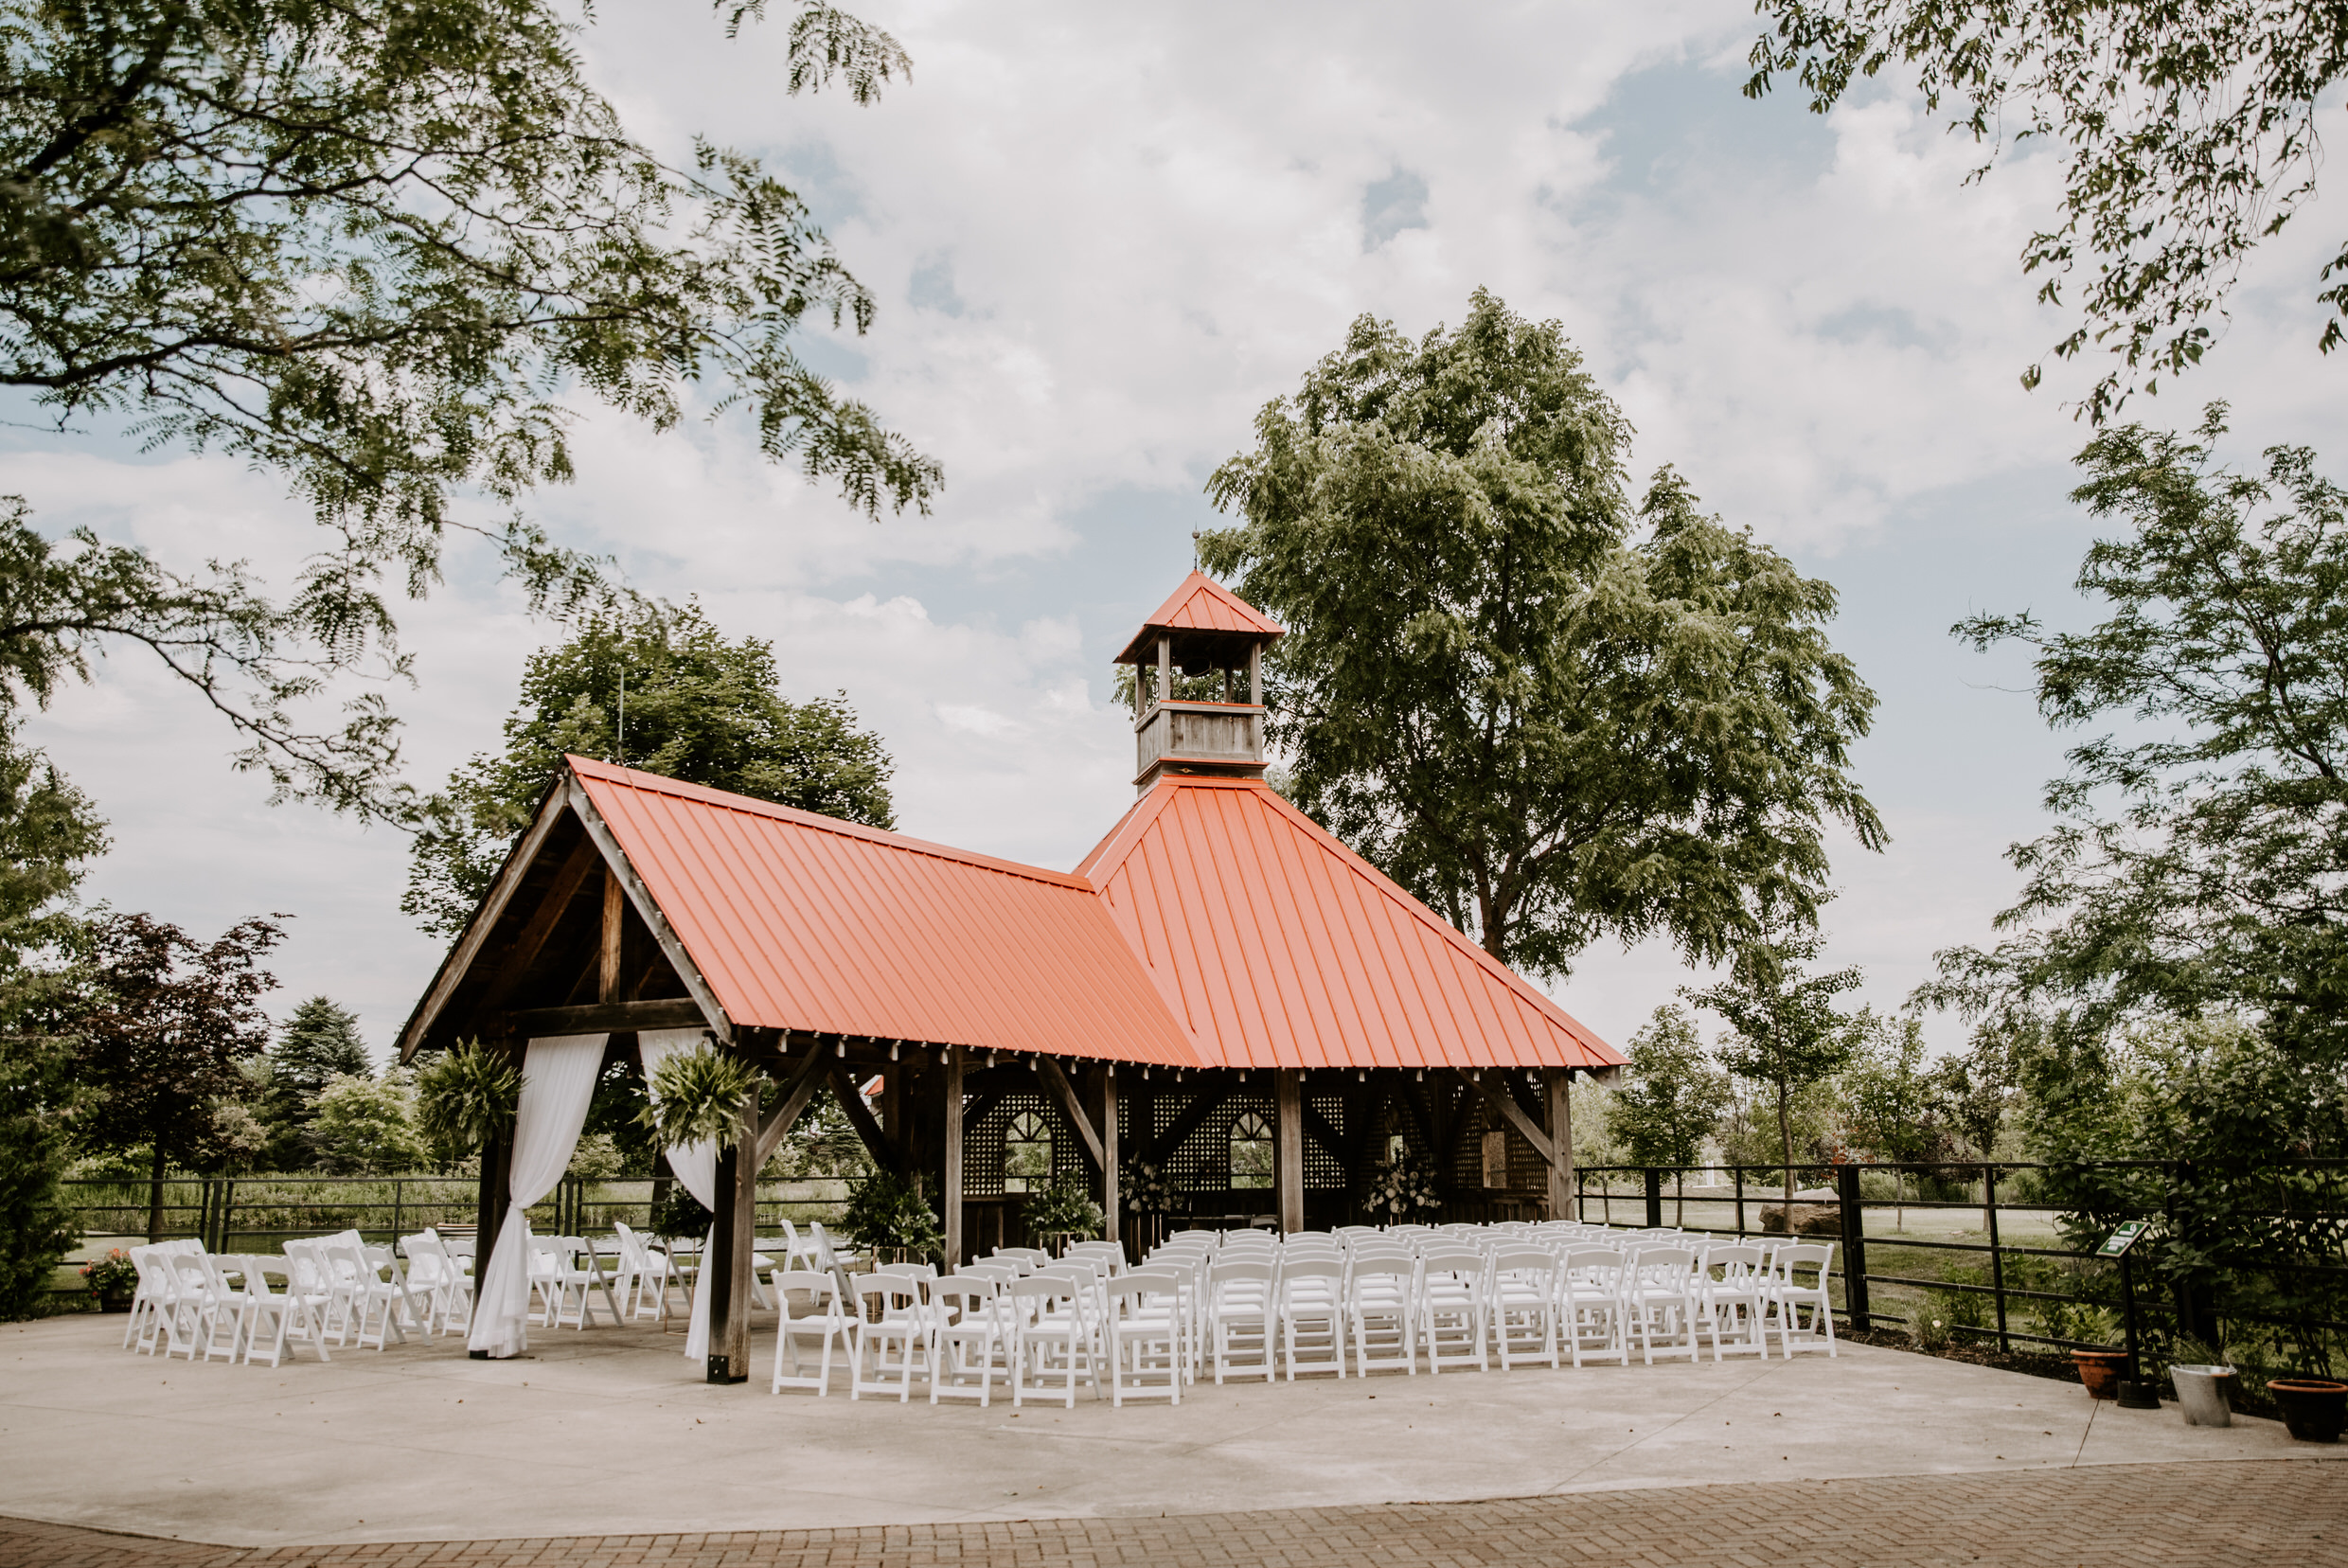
(1202, 629)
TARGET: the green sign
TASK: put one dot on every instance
(2118, 1241)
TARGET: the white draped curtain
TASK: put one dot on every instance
(696, 1166)
(557, 1082)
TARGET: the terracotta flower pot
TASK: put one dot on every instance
(2314, 1408)
(2100, 1371)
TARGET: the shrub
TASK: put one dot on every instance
(39, 1095)
(885, 1211)
(1065, 1208)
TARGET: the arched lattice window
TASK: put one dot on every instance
(1250, 1151)
(1028, 1153)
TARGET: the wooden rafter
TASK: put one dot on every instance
(460, 959)
(1056, 1080)
(1506, 1103)
(647, 911)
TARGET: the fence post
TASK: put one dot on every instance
(1854, 1246)
(1740, 1200)
(227, 1211)
(1654, 1198)
(1997, 1261)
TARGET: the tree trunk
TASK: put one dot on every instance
(154, 1197)
(1785, 1143)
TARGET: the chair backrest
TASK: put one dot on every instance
(967, 1293)
(818, 1288)
(826, 1259)
(1805, 1256)
(1467, 1262)
(1529, 1262)
(894, 1292)
(1299, 1271)
(1002, 1274)
(1013, 1257)
(1239, 1271)
(1733, 1262)
(1036, 1257)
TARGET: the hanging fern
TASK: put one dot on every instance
(696, 1098)
(465, 1096)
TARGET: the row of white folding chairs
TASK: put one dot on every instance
(202, 1305)
(1023, 1319)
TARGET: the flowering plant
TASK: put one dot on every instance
(113, 1274)
(1146, 1191)
(1403, 1187)
(1064, 1208)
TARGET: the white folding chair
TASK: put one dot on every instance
(1523, 1305)
(966, 1337)
(1659, 1294)
(1788, 1296)
(1142, 1336)
(1052, 1333)
(1735, 1291)
(825, 1323)
(1591, 1315)
(276, 1316)
(1312, 1315)
(1243, 1319)
(1454, 1310)
(889, 1317)
(1381, 1308)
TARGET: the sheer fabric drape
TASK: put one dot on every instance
(696, 1166)
(557, 1082)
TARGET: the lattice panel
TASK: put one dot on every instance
(983, 1144)
(1323, 1172)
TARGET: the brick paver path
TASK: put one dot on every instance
(2205, 1515)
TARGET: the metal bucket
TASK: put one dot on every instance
(2201, 1393)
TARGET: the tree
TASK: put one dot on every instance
(162, 1024)
(41, 1099)
(2200, 862)
(365, 1126)
(318, 1043)
(1891, 1100)
(369, 248)
(2188, 134)
(1547, 716)
(1673, 1095)
(1784, 1031)
(698, 708)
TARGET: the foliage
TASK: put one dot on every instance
(369, 248)
(162, 1026)
(1974, 1091)
(885, 1211)
(1749, 1135)
(1403, 1187)
(2219, 884)
(1783, 1029)
(1892, 1098)
(697, 707)
(466, 1097)
(40, 1100)
(317, 1042)
(823, 1143)
(596, 1158)
(1673, 1096)
(696, 1098)
(1064, 1208)
(2188, 135)
(1550, 716)
(113, 1274)
(679, 1214)
(365, 1126)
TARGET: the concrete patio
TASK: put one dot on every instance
(608, 1433)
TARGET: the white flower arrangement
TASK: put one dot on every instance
(1402, 1187)
(1146, 1191)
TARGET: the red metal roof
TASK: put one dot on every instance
(1200, 604)
(800, 921)
(1276, 946)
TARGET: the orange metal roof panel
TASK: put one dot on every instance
(801, 921)
(1203, 604)
(1276, 946)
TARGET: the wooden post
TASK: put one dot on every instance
(717, 1268)
(1256, 673)
(1112, 1198)
(1557, 1083)
(610, 972)
(741, 1255)
(1166, 670)
(952, 1195)
(1288, 1160)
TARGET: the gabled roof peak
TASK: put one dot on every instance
(1201, 605)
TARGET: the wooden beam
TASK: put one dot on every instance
(611, 953)
(777, 1124)
(1203, 1105)
(859, 1117)
(1556, 1088)
(1506, 1103)
(649, 912)
(1112, 1199)
(952, 1195)
(583, 861)
(670, 1012)
(1288, 1160)
(460, 959)
(1062, 1090)
(1317, 1128)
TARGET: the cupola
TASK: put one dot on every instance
(1201, 630)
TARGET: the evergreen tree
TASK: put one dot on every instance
(39, 1099)
(319, 1042)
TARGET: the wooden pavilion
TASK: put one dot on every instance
(1264, 989)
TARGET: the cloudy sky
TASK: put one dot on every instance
(1102, 237)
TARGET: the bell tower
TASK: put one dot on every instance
(1201, 630)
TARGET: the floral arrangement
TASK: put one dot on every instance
(113, 1274)
(1402, 1187)
(1064, 1210)
(1146, 1191)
